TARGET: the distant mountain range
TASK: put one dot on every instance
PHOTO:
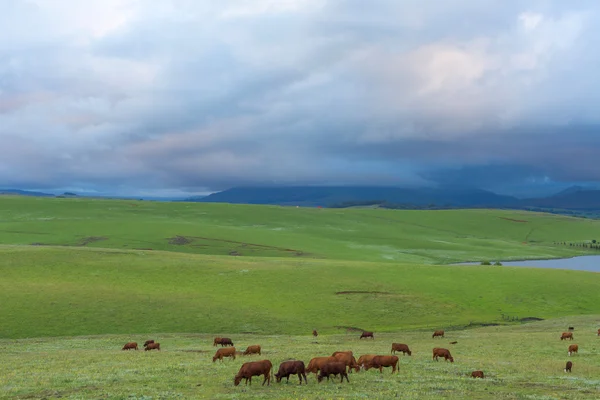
(573, 198)
(577, 198)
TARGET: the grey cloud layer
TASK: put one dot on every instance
(195, 94)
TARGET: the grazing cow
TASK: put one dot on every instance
(438, 333)
(568, 366)
(255, 349)
(400, 347)
(226, 342)
(571, 328)
(348, 359)
(439, 352)
(315, 334)
(315, 364)
(217, 341)
(383, 361)
(288, 368)
(342, 352)
(566, 335)
(477, 374)
(222, 353)
(598, 332)
(573, 349)
(130, 345)
(366, 334)
(147, 342)
(333, 368)
(254, 368)
(365, 359)
(153, 346)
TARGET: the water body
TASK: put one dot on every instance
(581, 263)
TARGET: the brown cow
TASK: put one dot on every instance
(573, 349)
(438, 333)
(566, 335)
(153, 346)
(477, 374)
(348, 359)
(217, 341)
(439, 352)
(315, 334)
(315, 364)
(333, 368)
(130, 345)
(342, 352)
(288, 368)
(598, 332)
(568, 366)
(254, 368)
(400, 347)
(255, 349)
(147, 342)
(222, 353)
(226, 342)
(367, 334)
(365, 359)
(383, 361)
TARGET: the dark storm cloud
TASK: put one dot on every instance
(189, 95)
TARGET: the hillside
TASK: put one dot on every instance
(47, 291)
(246, 230)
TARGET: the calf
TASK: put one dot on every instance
(130, 345)
(439, 352)
(333, 368)
(315, 334)
(342, 352)
(566, 335)
(438, 333)
(288, 368)
(477, 374)
(153, 346)
(254, 368)
(222, 353)
(568, 366)
(400, 347)
(348, 359)
(147, 342)
(366, 334)
(255, 349)
(315, 364)
(573, 349)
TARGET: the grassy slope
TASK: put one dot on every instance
(350, 234)
(47, 291)
(520, 362)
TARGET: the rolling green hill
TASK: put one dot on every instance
(429, 237)
(47, 291)
(80, 277)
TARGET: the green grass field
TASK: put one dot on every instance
(520, 362)
(81, 277)
(430, 237)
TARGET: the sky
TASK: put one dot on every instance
(171, 97)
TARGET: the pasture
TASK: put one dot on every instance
(520, 362)
(81, 277)
(421, 237)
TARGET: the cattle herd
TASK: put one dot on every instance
(339, 363)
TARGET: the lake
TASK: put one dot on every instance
(581, 263)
